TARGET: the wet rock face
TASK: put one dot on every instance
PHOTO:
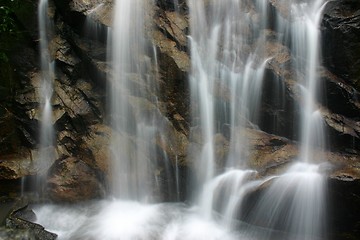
(72, 180)
(171, 5)
(19, 222)
(344, 219)
(341, 39)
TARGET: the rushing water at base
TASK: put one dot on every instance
(294, 202)
(115, 220)
(228, 54)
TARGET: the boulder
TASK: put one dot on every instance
(20, 224)
(271, 155)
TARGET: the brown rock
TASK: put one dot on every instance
(97, 142)
(23, 163)
(175, 25)
(73, 101)
(168, 48)
(72, 180)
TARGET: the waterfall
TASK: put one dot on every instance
(306, 41)
(295, 201)
(128, 49)
(229, 58)
(223, 57)
(134, 118)
(47, 134)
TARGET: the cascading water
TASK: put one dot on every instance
(228, 61)
(47, 135)
(295, 202)
(220, 43)
(306, 38)
(135, 132)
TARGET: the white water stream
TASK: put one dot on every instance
(47, 134)
(132, 144)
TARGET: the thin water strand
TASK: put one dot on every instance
(311, 121)
(47, 133)
(135, 120)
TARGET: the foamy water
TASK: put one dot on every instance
(115, 220)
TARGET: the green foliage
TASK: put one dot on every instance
(7, 19)
(8, 27)
(9, 35)
(14, 17)
(3, 57)
(7, 24)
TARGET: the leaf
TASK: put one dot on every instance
(3, 57)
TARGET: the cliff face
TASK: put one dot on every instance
(341, 25)
(79, 104)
